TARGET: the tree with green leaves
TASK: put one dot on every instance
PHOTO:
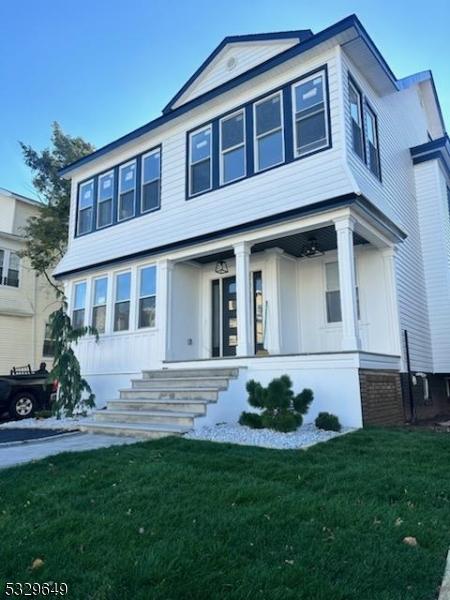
(46, 242)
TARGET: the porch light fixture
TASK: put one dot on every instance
(311, 249)
(221, 267)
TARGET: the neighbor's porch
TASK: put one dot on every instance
(321, 284)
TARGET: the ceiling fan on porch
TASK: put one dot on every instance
(311, 249)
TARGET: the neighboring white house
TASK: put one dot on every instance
(26, 300)
(287, 213)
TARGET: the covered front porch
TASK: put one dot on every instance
(320, 284)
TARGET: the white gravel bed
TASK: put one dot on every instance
(306, 435)
(50, 423)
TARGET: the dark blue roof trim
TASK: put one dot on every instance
(311, 42)
(437, 144)
(435, 150)
(331, 203)
(301, 35)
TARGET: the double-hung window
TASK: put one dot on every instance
(268, 129)
(151, 181)
(232, 147)
(355, 100)
(310, 118)
(127, 190)
(48, 348)
(105, 199)
(333, 294)
(200, 161)
(147, 297)
(79, 305)
(99, 304)
(373, 151)
(85, 207)
(122, 302)
(9, 268)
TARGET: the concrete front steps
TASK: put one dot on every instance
(164, 402)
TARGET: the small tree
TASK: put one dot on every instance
(46, 242)
(281, 409)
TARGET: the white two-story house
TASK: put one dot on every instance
(287, 213)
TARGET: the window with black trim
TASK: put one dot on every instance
(372, 148)
(151, 181)
(85, 207)
(355, 101)
(200, 160)
(310, 114)
(147, 297)
(232, 147)
(127, 191)
(105, 199)
(79, 305)
(268, 132)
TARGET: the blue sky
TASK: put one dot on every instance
(102, 68)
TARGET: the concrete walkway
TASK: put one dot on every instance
(16, 454)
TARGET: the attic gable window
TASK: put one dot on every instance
(310, 122)
(232, 147)
(355, 101)
(85, 207)
(269, 142)
(200, 161)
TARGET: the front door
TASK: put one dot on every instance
(224, 315)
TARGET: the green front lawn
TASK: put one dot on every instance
(178, 519)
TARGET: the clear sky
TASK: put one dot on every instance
(104, 67)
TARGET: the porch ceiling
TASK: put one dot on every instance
(291, 244)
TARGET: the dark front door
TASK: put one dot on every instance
(230, 333)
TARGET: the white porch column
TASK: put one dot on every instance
(389, 255)
(347, 282)
(164, 271)
(271, 287)
(243, 299)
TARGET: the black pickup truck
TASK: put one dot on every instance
(24, 392)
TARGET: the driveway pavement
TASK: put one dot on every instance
(14, 453)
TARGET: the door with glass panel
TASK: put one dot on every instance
(224, 315)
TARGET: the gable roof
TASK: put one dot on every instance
(298, 35)
(348, 32)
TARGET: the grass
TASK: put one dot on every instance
(178, 519)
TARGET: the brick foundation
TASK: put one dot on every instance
(381, 397)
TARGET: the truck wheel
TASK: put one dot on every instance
(22, 406)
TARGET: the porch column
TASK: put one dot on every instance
(389, 257)
(271, 283)
(347, 283)
(243, 299)
(163, 308)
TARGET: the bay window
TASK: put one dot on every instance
(200, 161)
(232, 147)
(268, 132)
(79, 305)
(151, 181)
(122, 302)
(147, 297)
(127, 191)
(310, 118)
(99, 304)
(85, 207)
(105, 199)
